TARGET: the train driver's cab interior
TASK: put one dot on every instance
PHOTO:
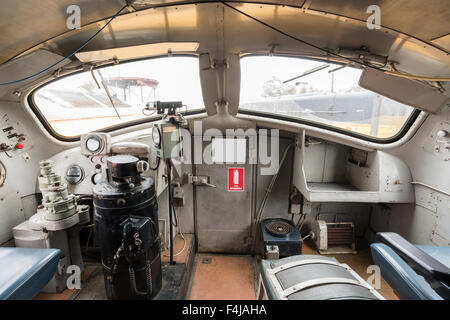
(224, 150)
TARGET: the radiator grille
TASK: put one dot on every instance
(340, 234)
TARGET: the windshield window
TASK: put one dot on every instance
(79, 103)
(319, 92)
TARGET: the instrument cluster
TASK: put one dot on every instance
(85, 167)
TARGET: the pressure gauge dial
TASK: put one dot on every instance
(93, 144)
(153, 160)
(156, 135)
(74, 174)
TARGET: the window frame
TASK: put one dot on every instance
(405, 128)
(41, 117)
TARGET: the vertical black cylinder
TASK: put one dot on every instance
(131, 271)
(169, 187)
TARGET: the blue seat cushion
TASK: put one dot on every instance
(25, 271)
(401, 277)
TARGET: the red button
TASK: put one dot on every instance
(19, 146)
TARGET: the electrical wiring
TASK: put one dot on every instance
(269, 189)
(393, 73)
(329, 52)
(179, 233)
(301, 221)
(271, 184)
(68, 56)
(415, 77)
(307, 236)
(296, 38)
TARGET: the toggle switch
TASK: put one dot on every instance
(442, 133)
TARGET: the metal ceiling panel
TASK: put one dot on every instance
(222, 31)
(425, 20)
(26, 23)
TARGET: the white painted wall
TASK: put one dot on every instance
(427, 222)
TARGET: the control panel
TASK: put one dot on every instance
(438, 141)
(14, 139)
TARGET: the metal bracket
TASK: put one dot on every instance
(178, 196)
(199, 180)
(217, 64)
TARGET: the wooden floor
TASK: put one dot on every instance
(223, 277)
(358, 262)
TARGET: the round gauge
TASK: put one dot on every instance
(97, 178)
(153, 160)
(74, 174)
(2, 174)
(156, 135)
(93, 144)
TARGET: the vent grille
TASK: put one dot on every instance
(341, 234)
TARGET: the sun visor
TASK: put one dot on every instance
(406, 91)
(136, 52)
(27, 65)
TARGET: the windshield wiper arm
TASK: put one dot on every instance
(105, 86)
(93, 76)
(308, 72)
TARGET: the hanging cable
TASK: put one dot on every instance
(262, 205)
(179, 233)
(415, 77)
(169, 187)
(68, 56)
(271, 184)
(177, 224)
(362, 63)
(307, 236)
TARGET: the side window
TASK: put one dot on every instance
(319, 92)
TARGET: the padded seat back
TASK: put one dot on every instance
(401, 277)
(25, 271)
(313, 277)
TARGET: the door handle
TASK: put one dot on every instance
(200, 181)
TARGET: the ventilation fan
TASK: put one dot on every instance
(280, 238)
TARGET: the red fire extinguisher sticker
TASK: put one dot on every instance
(235, 179)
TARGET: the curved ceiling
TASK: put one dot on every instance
(414, 32)
(27, 23)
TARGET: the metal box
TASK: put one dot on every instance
(27, 237)
(169, 145)
(283, 234)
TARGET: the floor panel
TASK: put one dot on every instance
(223, 277)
